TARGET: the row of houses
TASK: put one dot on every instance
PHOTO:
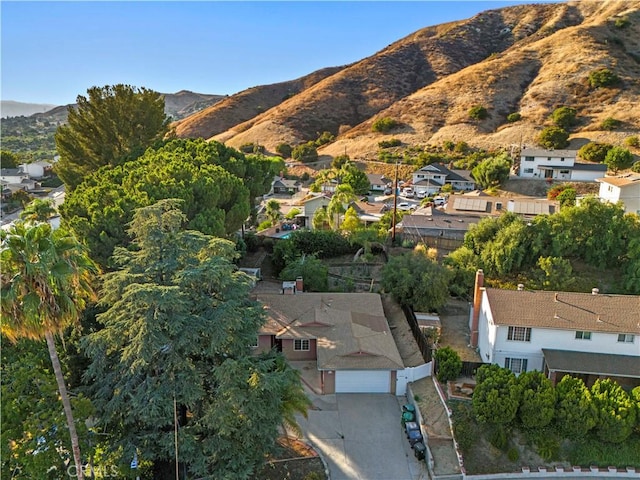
(347, 338)
(26, 177)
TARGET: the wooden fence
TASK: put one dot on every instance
(421, 340)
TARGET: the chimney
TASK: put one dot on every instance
(477, 299)
(595, 291)
(520, 287)
(299, 285)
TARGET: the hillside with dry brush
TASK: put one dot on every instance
(526, 59)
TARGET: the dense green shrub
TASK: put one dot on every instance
(610, 124)
(513, 117)
(284, 149)
(461, 147)
(324, 138)
(321, 243)
(622, 22)
(478, 112)
(553, 137)
(251, 148)
(384, 124)
(313, 271)
(618, 158)
(632, 141)
(603, 78)
(449, 364)
(305, 153)
(594, 151)
(448, 145)
(564, 117)
(392, 142)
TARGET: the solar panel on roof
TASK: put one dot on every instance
(470, 204)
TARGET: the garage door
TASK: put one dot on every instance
(362, 381)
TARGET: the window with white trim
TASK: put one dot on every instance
(528, 170)
(301, 345)
(528, 159)
(255, 343)
(583, 335)
(519, 334)
(626, 338)
(516, 365)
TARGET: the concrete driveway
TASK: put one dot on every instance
(360, 437)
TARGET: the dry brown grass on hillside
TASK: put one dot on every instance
(529, 59)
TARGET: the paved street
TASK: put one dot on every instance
(360, 437)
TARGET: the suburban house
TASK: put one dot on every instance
(281, 185)
(14, 179)
(557, 165)
(310, 205)
(623, 188)
(435, 228)
(346, 335)
(379, 183)
(482, 204)
(431, 178)
(444, 228)
(368, 212)
(586, 335)
(37, 169)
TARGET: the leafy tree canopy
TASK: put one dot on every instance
(553, 137)
(314, 273)
(618, 158)
(538, 401)
(594, 151)
(112, 125)
(215, 182)
(575, 412)
(493, 171)
(617, 411)
(564, 117)
(413, 279)
(496, 397)
(177, 328)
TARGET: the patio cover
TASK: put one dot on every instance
(592, 363)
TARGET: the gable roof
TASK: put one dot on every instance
(540, 152)
(621, 180)
(351, 330)
(565, 310)
(377, 179)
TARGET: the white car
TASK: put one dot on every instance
(405, 206)
(438, 201)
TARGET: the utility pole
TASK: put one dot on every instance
(395, 206)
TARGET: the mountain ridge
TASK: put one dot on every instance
(527, 59)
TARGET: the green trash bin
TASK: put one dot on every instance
(408, 417)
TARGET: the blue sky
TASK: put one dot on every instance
(54, 51)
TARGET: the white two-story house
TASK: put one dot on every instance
(623, 188)
(431, 178)
(557, 165)
(585, 335)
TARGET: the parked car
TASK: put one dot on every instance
(406, 206)
(421, 195)
(408, 192)
(438, 201)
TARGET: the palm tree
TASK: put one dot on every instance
(38, 210)
(46, 281)
(336, 208)
(272, 211)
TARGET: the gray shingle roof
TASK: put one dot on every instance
(351, 329)
(566, 310)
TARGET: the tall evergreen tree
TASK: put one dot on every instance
(110, 126)
(176, 341)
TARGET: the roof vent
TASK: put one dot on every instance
(520, 287)
(595, 291)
